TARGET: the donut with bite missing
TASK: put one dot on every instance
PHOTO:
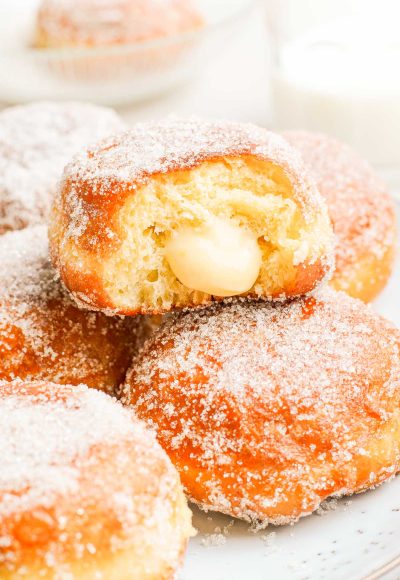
(182, 212)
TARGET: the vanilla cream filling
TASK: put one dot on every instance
(220, 258)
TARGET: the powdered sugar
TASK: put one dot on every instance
(36, 142)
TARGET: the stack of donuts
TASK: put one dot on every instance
(184, 323)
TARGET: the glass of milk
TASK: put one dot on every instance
(336, 69)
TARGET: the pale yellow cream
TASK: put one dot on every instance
(221, 258)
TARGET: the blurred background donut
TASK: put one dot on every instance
(362, 213)
(36, 141)
(67, 23)
(104, 24)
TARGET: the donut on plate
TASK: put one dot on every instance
(43, 335)
(266, 409)
(85, 490)
(361, 210)
(183, 212)
(36, 142)
(96, 23)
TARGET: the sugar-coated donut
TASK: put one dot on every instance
(267, 409)
(43, 335)
(36, 142)
(361, 210)
(63, 23)
(85, 490)
(181, 212)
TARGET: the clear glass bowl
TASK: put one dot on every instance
(114, 75)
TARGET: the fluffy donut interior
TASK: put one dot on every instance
(251, 193)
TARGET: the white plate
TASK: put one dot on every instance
(354, 541)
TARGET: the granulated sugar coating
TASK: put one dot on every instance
(43, 335)
(85, 489)
(268, 409)
(153, 148)
(362, 212)
(36, 142)
(122, 202)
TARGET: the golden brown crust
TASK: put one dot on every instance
(361, 210)
(97, 183)
(366, 278)
(307, 278)
(90, 293)
(81, 487)
(86, 227)
(43, 335)
(268, 409)
(58, 341)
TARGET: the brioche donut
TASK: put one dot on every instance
(43, 335)
(361, 211)
(36, 141)
(181, 212)
(266, 409)
(92, 23)
(85, 490)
